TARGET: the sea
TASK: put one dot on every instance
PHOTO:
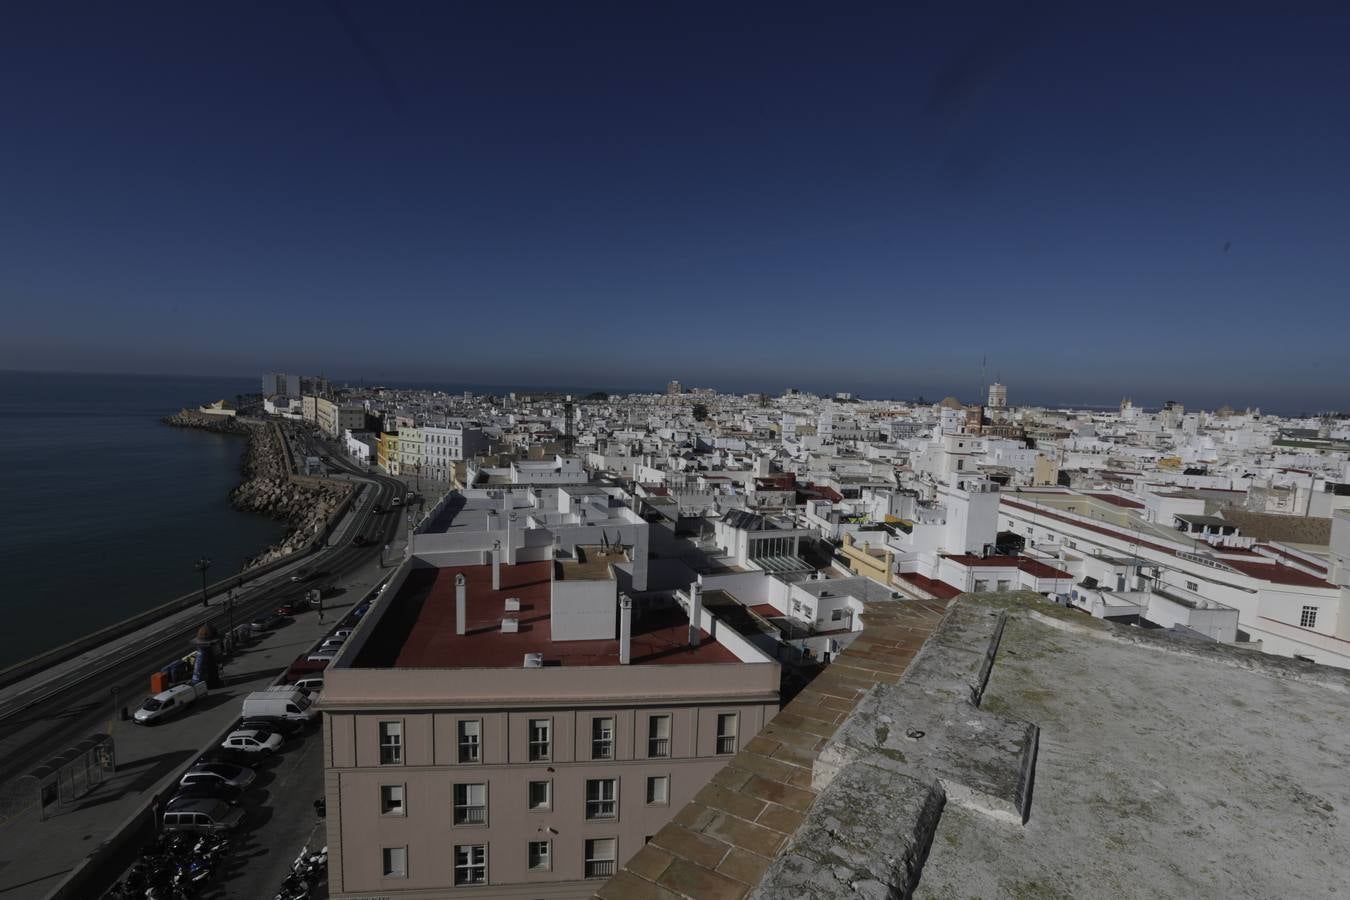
(105, 509)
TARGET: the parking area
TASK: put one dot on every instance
(36, 854)
(281, 820)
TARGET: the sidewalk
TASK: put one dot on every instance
(36, 855)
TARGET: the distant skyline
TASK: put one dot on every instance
(1100, 201)
(1147, 401)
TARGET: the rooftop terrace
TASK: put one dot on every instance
(419, 629)
(907, 768)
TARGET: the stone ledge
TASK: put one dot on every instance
(873, 851)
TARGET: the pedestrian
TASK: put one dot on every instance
(320, 599)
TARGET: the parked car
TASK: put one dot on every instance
(287, 728)
(204, 791)
(263, 743)
(167, 704)
(332, 643)
(208, 816)
(266, 621)
(300, 575)
(214, 772)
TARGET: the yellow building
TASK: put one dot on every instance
(387, 452)
(864, 559)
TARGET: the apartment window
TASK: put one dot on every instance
(391, 800)
(391, 743)
(541, 739)
(471, 864)
(602, 738)
(395, 862)
(1003, 584)
(960, 464)
(470, 739)
(658, 790)
(600, 857)
(1308, 617)
(470, 804)
(1192, 586)
(658, 736)
(836, 615)
(601, 798)
(726, 732)
(541, 856)
(981, 586)
(541, 795)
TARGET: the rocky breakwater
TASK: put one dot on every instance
(306, 504)
(191, 418)
(269, 488)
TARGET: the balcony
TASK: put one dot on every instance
(600, 809)
(726, 744)
(470, 815)
(658, 747)
(540, 750)
(599, 868)
(602, 749)
(468, 752)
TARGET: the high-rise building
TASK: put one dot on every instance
(279, 384)
(998, 396)
(674, 387)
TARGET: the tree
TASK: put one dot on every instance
(700, 412)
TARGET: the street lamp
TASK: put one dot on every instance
(229, 621)
(202, 565)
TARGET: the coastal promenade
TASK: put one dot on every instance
(38, 854)
(51, 710)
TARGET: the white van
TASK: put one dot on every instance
(311, 685)
(167, 704)
(294, 705)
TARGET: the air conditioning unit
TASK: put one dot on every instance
(513, 604)
(510, 625)
(534, 660)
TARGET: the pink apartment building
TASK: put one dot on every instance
(518, 728)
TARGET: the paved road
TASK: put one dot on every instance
(35, 855)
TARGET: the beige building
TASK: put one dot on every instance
(334, 418)
(518, 728)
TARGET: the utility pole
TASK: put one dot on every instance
(202, 565)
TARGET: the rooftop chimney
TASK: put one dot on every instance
(625, 629)
(695, 613)
(461, 598)
(496, 565)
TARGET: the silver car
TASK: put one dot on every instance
(218, 773)
(203, 816)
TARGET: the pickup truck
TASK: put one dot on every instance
(167, 704)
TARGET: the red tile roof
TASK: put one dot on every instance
(940, 589)
(431, 642)
(1024, 563)
(1277, 574)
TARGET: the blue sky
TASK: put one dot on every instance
(1100, 202)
